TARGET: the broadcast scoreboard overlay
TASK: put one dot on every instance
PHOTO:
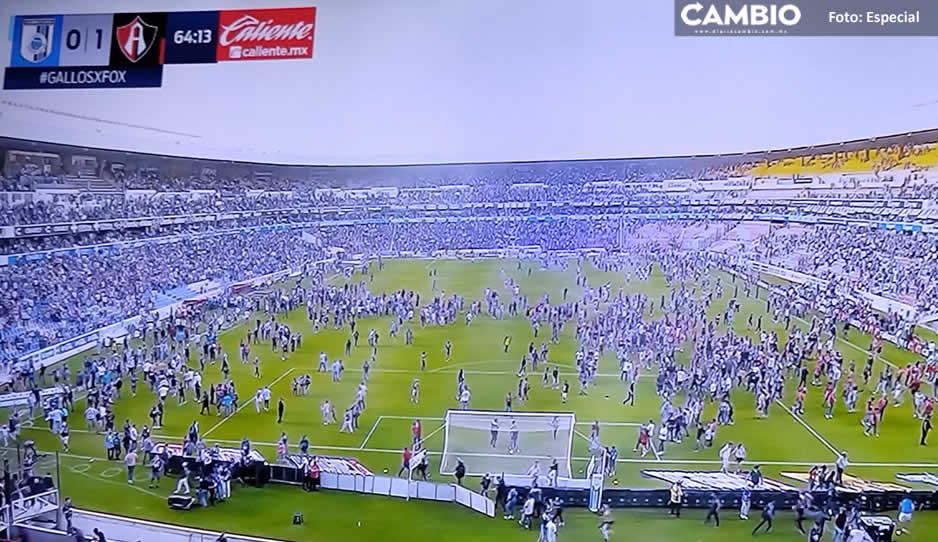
(129, 50)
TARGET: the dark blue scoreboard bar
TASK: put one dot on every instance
(120, 50)
(118, 39)
(111, 50)
(82, 77)
(191, 37)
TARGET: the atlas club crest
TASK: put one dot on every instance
(136, 38)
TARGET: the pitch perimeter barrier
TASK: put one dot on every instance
(391, 486)
(915, 344)
(126, 529)
(660, 498)
(878, 302)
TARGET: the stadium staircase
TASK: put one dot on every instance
(740, 238)
(161, 300)
(101, 186)
(180, 293)
(91, 184)
(183, 293)
(700, 237)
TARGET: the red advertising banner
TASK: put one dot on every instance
(265, 34)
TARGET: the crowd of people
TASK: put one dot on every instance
(899, 265)
(645, 335)
(55, 298)
(83, 206)
(50, 300)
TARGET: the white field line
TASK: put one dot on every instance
(99, 478)
(247, 403)
(373, 427)
(809, 428)
(612, 424)
(435, 431)
(455, 370)
(368, 435)
(654, 449)
(455, 366)
(601, 422)
(411, 418)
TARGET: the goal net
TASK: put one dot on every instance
(506, 442)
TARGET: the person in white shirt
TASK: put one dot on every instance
(130, 461)
(551, 531)
(464, 398)
(347, 422)
(740, 455)
(183, 483)
(266, 393)
(322, 362)
(859, 535)
(324, 409)
(527, 512)
(91, 417)
(725, 452)
(841, 464)
(650, 429)
(415, 391)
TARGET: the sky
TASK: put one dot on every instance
(431, 81)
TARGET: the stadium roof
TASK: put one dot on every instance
(493, 82)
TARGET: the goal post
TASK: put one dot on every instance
(415, 460)
(596, 474)
(495, 442)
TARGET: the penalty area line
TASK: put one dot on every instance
(370, 432)
(435, 431)
(810, 429)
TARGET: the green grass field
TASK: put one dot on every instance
(779, 443)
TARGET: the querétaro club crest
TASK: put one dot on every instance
(36, 40)
(136, 38)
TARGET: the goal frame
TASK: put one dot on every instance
(523, 414)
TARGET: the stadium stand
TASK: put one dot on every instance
(70, 217)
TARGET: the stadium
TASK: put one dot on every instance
(218, 324)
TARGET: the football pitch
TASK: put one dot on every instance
(780, 442)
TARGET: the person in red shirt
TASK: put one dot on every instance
(405, 461)
(881, 407)
(415, 431)
(314, 474)
(798, 407)
(829, 400)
